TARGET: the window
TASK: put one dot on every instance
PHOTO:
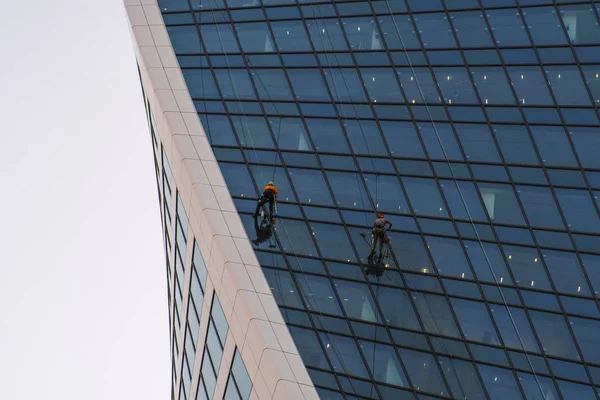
(492, 85)
(527, 268)
(530, 85)
(471, 29)
(239, 384)
(435, 30)
(507, 27)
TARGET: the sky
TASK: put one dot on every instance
(83, 303)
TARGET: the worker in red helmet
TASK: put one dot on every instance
(380, 234)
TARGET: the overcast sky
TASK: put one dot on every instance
(83, 312)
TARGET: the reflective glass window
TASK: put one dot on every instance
(581, 25)
(462, 378)
(309, 347)
(235, 84)
(463, 200)
(344, 84)
(219, 38)
(423, 371)
(396, 307)
(492, 85)
(402, 139)
(499, 382)
(310, 186)
(435, 314)
(173, 5)
(530, 85)
(200, 83)
(435, 30)
(362, 33)
(403, 24)
(527, 267)
(544, 26)
(318, 294)
(501, 203)
(579, 210)
(348, 189)
(290, 134)
(554, 146)
(271, 84)
(425, 197)
(571, 390)
(218, 130)
(565, 272)
(471, 29)
(475, 321)
(357, 300)
(296, 238)
(333, 241)
(587, 144)
(344, 355)
(185, 39)
(364, 137)
(238, 179)
(592, 79)
(255, 37)
(326, 34)
(586, 333)
(507, 27)
(478, 142)
(591, 265)
(567, 85)
(383, 363)
(389, 199)
(418, 85)
(440, 141)
(515, 144)
(540, 207)
(327, 135)
(308, 84)
(283, 287)
(449, 257)
(487, 261)
(514, 328)
(455, 85)
(381, 85)
(537, 387)
(253, 131)
(290, 36)
(554, 334)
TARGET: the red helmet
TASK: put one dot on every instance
(381, 215)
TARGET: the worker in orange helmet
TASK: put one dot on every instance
(269, 195)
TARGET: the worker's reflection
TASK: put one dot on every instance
(264, 232)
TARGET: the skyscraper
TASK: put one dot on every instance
(473, 125)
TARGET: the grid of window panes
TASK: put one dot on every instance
(474, 125)
(194, 312)
(239, 384)
(213, 351)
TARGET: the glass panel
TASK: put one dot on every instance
(567, 86)
(492, 85)
(344, 84)
(435, 314)
(440, 141)
(357, 300)
(327, 135)
(566, 272)
(579, 210)
(478, 142)
(500, 382)
(403, 25)
(396, 307)
(449, 257)
(540, 207)
(471, 29)
(463, 200)
(485, 258)
(235, 84)
(418, 85)
(309, 347)
(577, 391)
(318, 294)
(344, 355)
(255, 37)
(581, 25)
(537, 387)
(283, 287)
(364, 137)
(586, 332)
(435, 30)
(501, 203)
(455, 85)
(515, 144)
(587, 144)
(383, 363)
(526, 267)
(592, 268)
(310, 186)
(381, 85)
(507, 27)
(475, 321)
(290, 36)
(185, 39)
(348, 189)
(425, 197)
(326, 34)
(530, 85)
(462, 378)
(308, 84)
(219, 38)
(423, 371)
(554, 146)
(402, 139)
(554, 334)
(362, 33)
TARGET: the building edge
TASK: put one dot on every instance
(257, 328)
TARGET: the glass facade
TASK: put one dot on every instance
(474, 125)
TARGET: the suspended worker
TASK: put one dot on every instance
(380, 234)
(269, 195)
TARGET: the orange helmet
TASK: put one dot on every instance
(381, 215)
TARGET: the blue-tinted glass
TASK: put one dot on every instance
(565, 272)
(586, 333)
(581, 24)
(530, 85)
(364, 137)
(578, 391)
(507, 27)
(591, 265)
(463, 200)
(587, 144)
(423, 371)
(492, 85)
(455, 85)
(255, 37)
(173, 5)
(567, 86)
(440, 141)
(235, 84)
(326, 34)
(544, 26)
(200, 83)
(435, 314)
(449, 257)
(396, 307)
(308, 84)
(499, 382)
(540, 207)
(310, 185)
(318, 294)
(290, 36)
(296, 238)
(514, 328)
(475, 321)
(344, 355)
(471, 29)
(537, 387)
(219, 38)
(478, 143)
(333, 241)
(309, 347)
(487, 261)
(381, 85)
(402, 25)
(383, 363)
(418, 85)
(462, 378)
(362, 33)
(344, 84)
(425, 197)
(327, 135)
(432, 5)
(402, 139)
(348, 189)
(553, 145)
(185, 39)
(501, 203)
(283, 288)
(434, 30)
(554, 335)
(527, 267)
(357, 300)
(515, 144)
(592, 79)
(579, 210)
